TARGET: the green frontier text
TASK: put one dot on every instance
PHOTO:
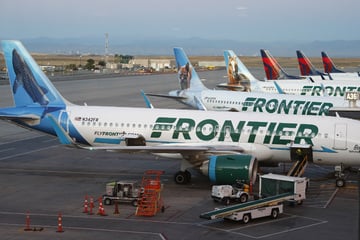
(228, 130)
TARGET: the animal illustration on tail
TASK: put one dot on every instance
(236, 78)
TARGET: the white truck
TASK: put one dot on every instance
(122, 191)
(227, 194)
(273, 211)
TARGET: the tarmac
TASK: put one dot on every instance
(41, 179)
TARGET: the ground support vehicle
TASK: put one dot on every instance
(274, 189)
(273, 211)
(122, 191)
(227, 194)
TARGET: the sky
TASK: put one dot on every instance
(241, 20)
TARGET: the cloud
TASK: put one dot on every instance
(242, 11)
(241, 8)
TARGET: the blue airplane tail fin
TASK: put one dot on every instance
(29, 85)
(187, 76)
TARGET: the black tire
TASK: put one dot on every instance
(181, 178)
(226, 201)
(243, 198)
(246, 218)
(340, 182)
(274, 213)
(188, 176)
(107, 201)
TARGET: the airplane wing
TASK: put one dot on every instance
(172, 148)
(166, 96)
(231, 86)
(196, 152)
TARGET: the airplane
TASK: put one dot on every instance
(196, 95)
(273, 69)
(308, 87)
(225, 146)
(330, 68)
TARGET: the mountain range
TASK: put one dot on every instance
(193, 46)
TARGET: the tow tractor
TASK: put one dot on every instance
(122, 191)
(228, 193)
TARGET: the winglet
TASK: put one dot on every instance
(63, 136)
(199, 104)
(147, 100)
(278, 88)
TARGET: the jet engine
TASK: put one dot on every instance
(227, 169)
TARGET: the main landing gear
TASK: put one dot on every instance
(182, 177)
(340, 176)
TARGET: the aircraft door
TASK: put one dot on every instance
(340, 136)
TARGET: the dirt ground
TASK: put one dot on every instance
(286, 62)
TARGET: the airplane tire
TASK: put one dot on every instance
(181, 177)
(340, 182)
(188, 176)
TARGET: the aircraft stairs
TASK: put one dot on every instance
(150, 201)
(301, 155)
(263, 202)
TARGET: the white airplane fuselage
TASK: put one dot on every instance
(334, 139)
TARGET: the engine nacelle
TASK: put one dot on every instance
(227, 169)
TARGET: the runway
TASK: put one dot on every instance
(40, 178)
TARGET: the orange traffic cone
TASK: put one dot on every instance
(27, 222)
(101, 210)
(60, 228)
(86, 205)
(91, 206)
